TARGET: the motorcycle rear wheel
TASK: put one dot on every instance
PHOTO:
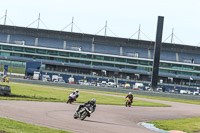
(76, 115)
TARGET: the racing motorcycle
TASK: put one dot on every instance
(5, 79)
(82, 113)
(128, 102)
(70, 100)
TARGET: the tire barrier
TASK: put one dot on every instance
(5, 90)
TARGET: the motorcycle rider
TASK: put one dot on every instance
(130, 96)
(74, 95)
(91, 105)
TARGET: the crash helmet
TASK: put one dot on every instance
(93, 101)
(77, 90)
(130, 93)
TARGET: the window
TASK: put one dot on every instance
(30, 50)
(120, 60)
(97, 57)
(131, 61)
(5, 53)
(107, 64)
(63, 54)
(41, 51)
(143, 62)
(74, 55)
(52, 52)
(18, 49)
(109, 58)
(7, 48)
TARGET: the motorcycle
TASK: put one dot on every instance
(82, 113)
(128, 102)
(5, 80)
(70, 100)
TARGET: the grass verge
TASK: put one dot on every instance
(12, 126)
(171, 99)
(59, 94)
(189, 125)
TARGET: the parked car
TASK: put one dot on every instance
(161, 89)
(111, 84)
(138, 86)
(196, 93)
(127, 86)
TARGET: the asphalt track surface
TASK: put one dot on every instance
(106, 118)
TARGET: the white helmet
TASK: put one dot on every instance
(130, 93)
(77, 90)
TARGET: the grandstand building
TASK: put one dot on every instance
(68, 52)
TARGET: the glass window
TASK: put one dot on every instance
(141, 68)
(165, 65)
(107, 64)
(63, 54)
(97, 63)
(5, 53)
(109, 58)
(74, 55)
(87, 56)
(85, 62)
(52, 52)
(18, 49)
(74, 61)
(30, 50)
(143, 62)
(7, 48)
(196, 68)
(187, 67)
(131, 67)
(120, 66)
(132, 61)
(120, 60)
(41, 51)
(97, 57)
(14, 54)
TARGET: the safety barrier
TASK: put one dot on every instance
(5, 90)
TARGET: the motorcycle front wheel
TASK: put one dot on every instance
(83, 115)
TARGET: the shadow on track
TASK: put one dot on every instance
(104, 122)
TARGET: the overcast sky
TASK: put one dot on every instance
(123, 17)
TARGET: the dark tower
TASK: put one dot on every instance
(157, 48)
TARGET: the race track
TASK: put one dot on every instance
(106, 119)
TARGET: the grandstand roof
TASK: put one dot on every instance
(97, 38)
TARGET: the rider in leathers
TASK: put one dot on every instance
(130, 95)
(74, 95)
(91, 105)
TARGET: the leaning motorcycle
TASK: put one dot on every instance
(128, 102)
(5, 80)
(82, 113)
(70, 100)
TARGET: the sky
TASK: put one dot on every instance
(123, 17)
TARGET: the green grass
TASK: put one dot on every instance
(12, 126)
(47, 93)
(153, 97)
(14, 69)
(189, 125)
(171, 99)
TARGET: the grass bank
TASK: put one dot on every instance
(12, 126)
(189, 125)
(32, 92)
